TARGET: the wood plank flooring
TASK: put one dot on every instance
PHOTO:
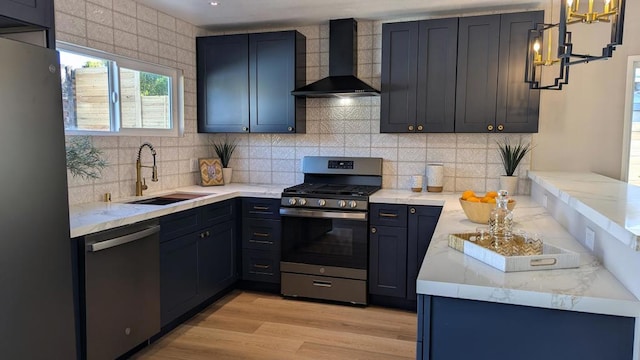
(248, 325)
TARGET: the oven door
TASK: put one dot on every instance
(326, 238)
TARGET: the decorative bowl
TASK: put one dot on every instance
(479, 212)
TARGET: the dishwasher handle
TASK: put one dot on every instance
(107, 244)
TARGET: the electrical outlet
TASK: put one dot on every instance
(193, 164)
(590, 238)
(544, 201)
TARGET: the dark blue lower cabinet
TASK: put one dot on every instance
(178, 277)
(216, 259)
(387, 261)
(451, 328)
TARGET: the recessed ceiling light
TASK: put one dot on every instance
(213, 3)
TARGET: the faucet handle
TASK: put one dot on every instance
(144, 184)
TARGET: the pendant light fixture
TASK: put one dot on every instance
(544, 55)
(590, 12)
(546, 42)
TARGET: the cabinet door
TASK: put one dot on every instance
(387, 261)
(223, 83)
(272, 70)
(216, 259)
(178, 277)
(437, 52)
(399, 77)
(36, 12)
(477, 79)
(517, 105)
(422, 223)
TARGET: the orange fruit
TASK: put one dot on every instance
(492, 194)
(492, 201)
(473, 199)
(468, 194)
(487, 199)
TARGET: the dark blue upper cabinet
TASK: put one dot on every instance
(30, 15)
(245, 82)
(491, 93)
(458, 75)
(276, 67)
(399, 80)
(223, 83)
(517, 105)
(34, 12)
(477, 82)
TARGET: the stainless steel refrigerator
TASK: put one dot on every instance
(36, 296)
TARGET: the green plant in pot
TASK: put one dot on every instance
(224, 150)
(84, 159)
(511, 155)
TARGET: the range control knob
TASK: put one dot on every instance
(302, 202)
(342, 203)
(292, 201)
(321, 202)
(352, 204)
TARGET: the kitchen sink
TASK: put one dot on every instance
(167, 199)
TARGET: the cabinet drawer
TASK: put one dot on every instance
(218, 213)
(261, 234)
(388, 215)
(178, 224)
(259, 265)
(261, 208)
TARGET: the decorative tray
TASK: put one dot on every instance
(522, 257)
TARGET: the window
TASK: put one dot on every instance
(631, 163)
(108, 94)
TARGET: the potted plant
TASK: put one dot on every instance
(84, 159)
(224, 150)
(511, 156)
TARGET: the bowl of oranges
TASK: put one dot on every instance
(478, 207)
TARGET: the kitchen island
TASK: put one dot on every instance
(465, 301)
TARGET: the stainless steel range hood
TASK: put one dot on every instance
(343, 62)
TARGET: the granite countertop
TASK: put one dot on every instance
(447, 272)
(93, 217)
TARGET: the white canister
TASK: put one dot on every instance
(435, 177)
(416, 183)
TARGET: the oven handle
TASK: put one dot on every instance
(359, 216)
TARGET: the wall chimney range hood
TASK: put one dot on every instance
(343, 63)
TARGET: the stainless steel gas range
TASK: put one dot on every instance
(325, 241)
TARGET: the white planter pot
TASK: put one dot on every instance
(509, 183)
(226, 175)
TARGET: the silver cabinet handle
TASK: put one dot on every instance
(322, 283)
(103, 245)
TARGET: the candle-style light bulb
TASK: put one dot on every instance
(536, 46)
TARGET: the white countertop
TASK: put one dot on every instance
(93, 217)
(445, 271)
(448, 272)
(611, 204)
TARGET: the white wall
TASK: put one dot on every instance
(581, 127)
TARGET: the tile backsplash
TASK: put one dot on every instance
(336, 127)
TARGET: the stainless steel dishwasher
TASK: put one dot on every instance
(122, 289)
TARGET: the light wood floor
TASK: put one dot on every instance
(247, 325)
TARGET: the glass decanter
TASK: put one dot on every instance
(501, 222)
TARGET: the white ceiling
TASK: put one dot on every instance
(237, 14)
